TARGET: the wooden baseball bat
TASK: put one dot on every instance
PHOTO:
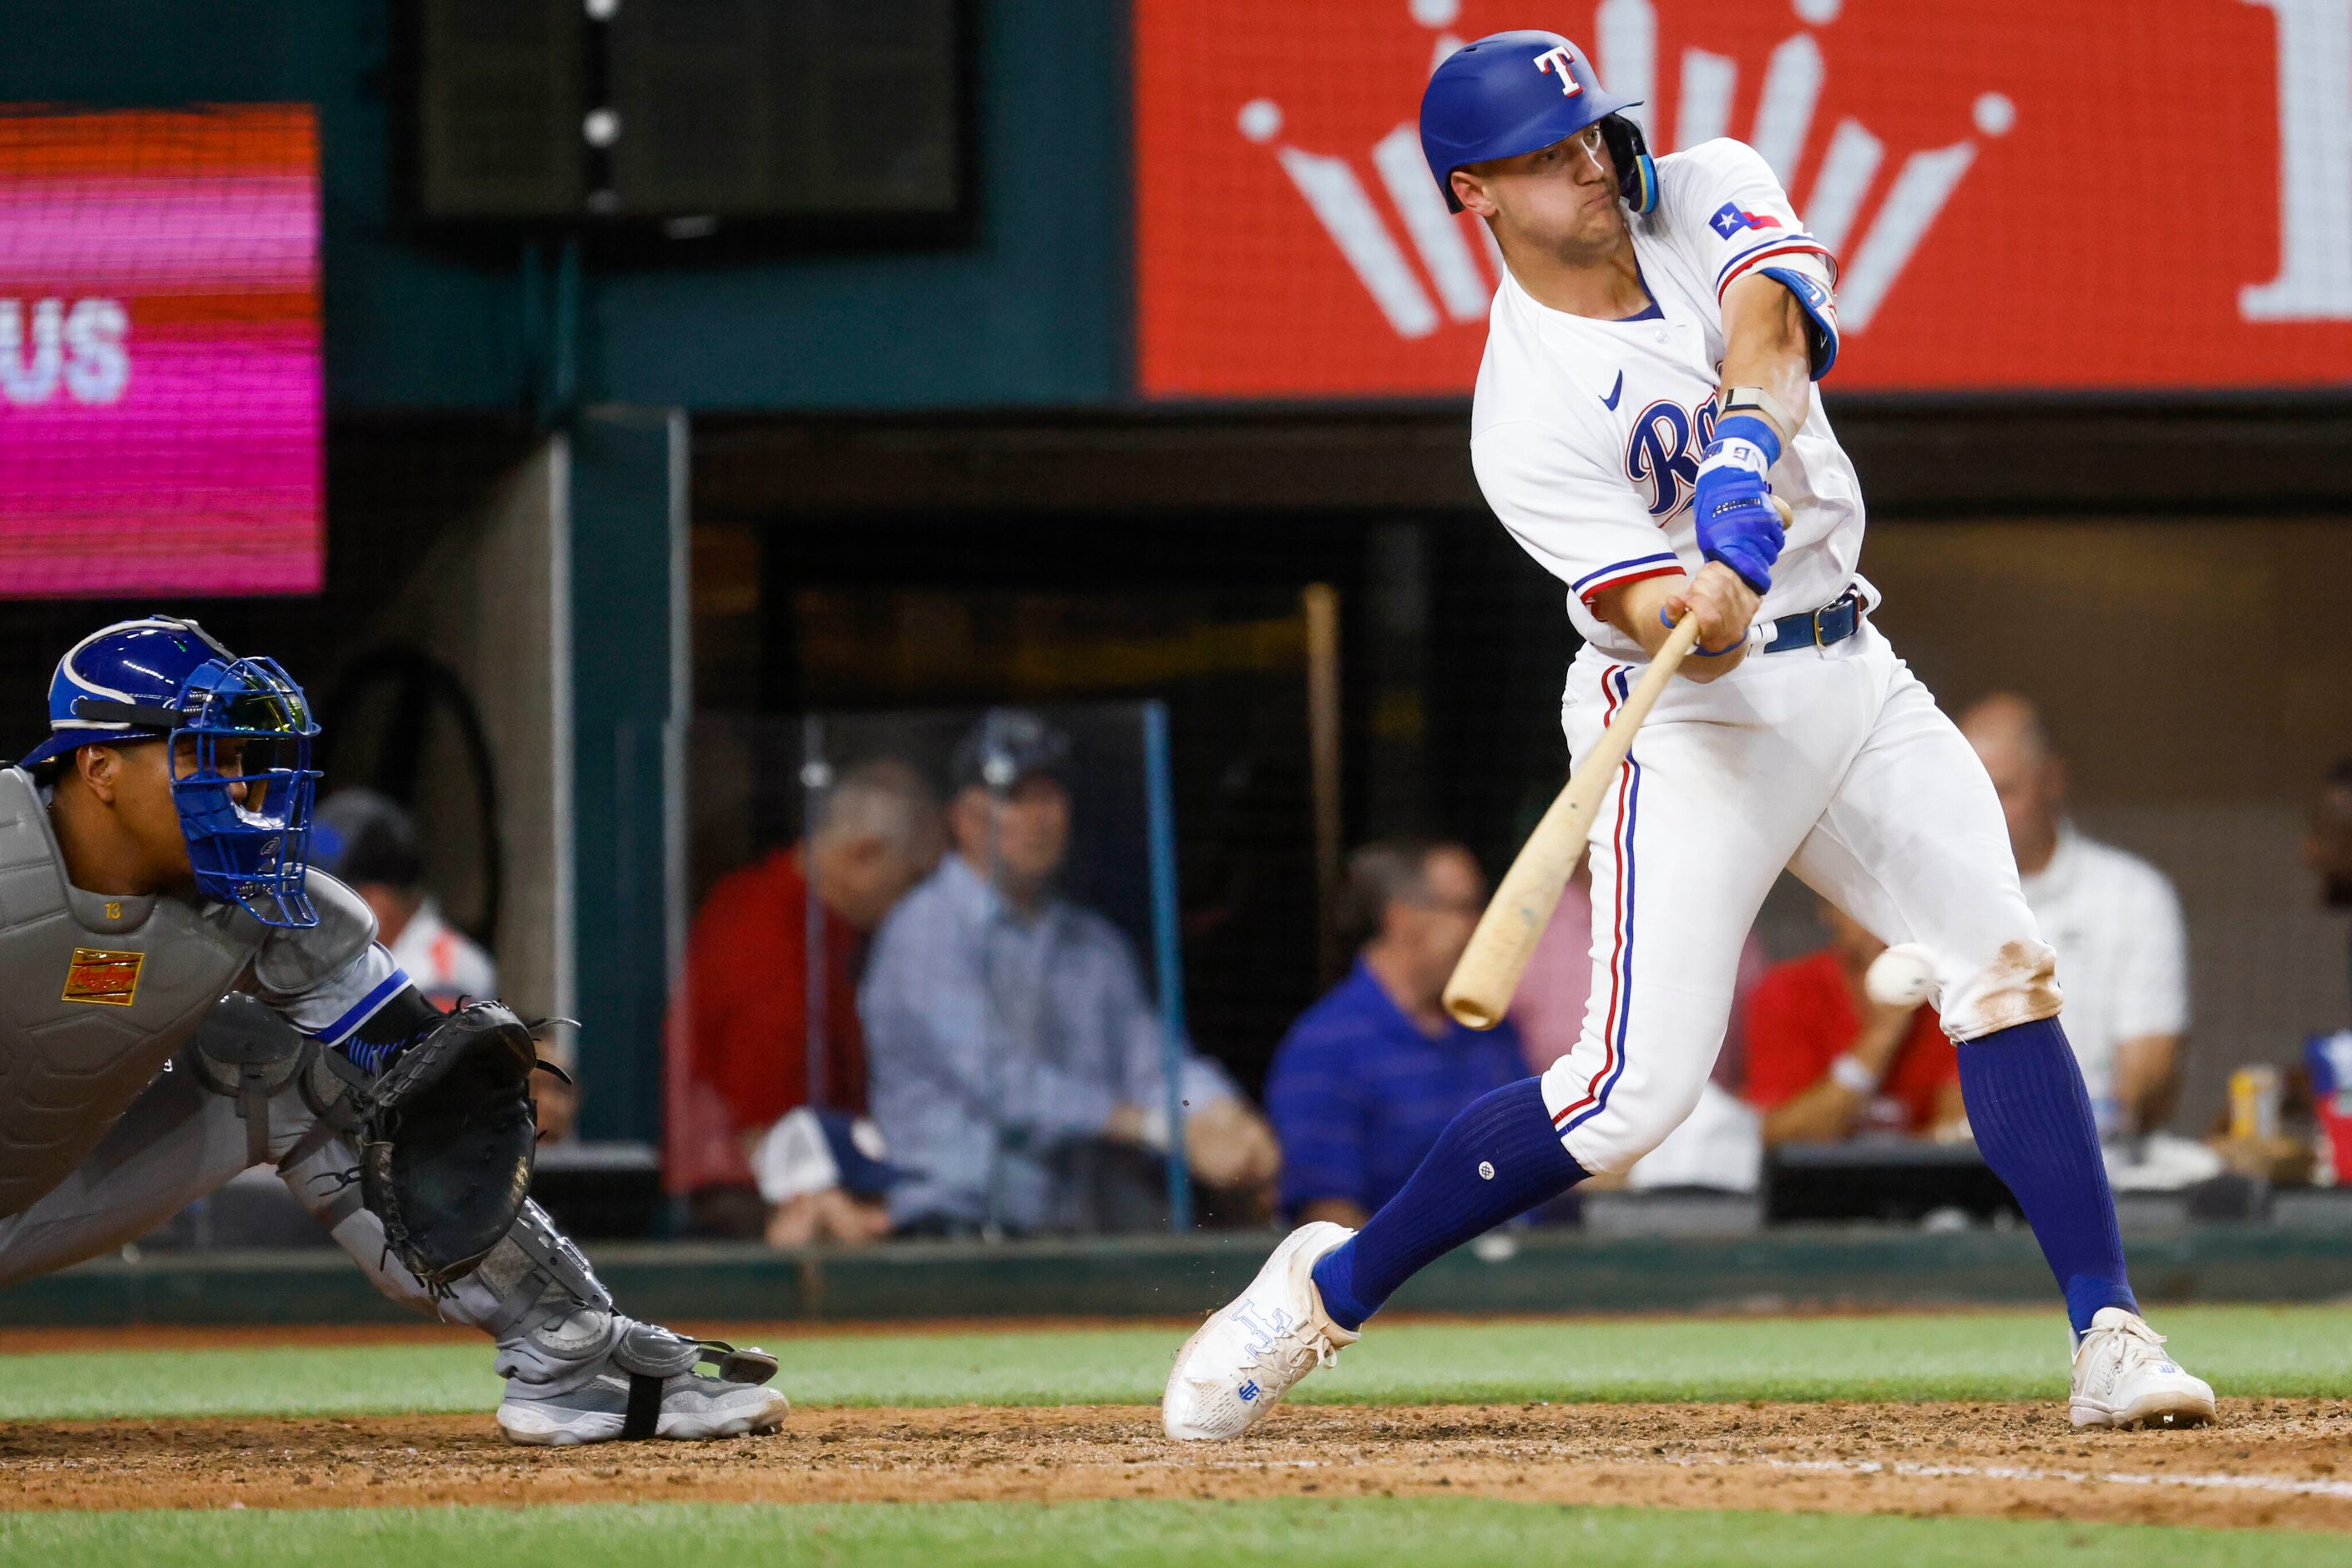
(1480, 991)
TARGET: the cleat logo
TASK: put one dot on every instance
(1249, 1390)
(1264, 1326)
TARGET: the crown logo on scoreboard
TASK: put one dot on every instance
(1453, 265)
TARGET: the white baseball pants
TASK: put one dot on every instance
(1834, 762)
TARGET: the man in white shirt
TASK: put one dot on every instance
(2122, 950)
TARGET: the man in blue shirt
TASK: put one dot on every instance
(1368, 1076)
(1010, 1040)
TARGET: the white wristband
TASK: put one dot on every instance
(1155, 1129)
(1732, 452)
(1848, 1073)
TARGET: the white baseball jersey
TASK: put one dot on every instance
(1832, 762)
(1586, 434)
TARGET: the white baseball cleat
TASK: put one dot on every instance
(1251, 1353)
(2122, 1378)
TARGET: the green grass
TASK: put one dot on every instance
(1295, 1534)
(2284, 1351)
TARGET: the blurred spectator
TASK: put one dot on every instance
(366, 841)
(1825, 1062)
(1016, 1055)
(2328, 844)
(1369, 1075)
(1549, 1009)
(740, 1030)
(2123, 949)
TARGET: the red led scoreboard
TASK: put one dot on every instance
(2132, 194)
(160, 390)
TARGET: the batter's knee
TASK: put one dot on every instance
(1630, 1125)
(2018, 985)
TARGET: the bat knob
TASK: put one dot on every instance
(1472, 1013)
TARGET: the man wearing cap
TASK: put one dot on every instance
(1009, 1033)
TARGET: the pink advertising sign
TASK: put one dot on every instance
(160, 384)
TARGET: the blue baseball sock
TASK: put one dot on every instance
(2032, 1123)
(1496, 1160)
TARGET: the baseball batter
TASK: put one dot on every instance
(181, 997)
(1646, 394)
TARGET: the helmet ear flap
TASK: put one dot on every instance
(1637, 172)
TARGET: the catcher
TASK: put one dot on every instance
(181, 997)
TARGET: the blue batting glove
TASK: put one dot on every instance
(1732, 502)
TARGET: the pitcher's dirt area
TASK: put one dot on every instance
(2276, 1463)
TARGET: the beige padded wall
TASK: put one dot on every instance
(2198, 678)
(490, 600)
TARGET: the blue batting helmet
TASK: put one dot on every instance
(1511, 93)
(165, 679)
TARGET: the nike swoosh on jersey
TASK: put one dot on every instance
(1609, 402)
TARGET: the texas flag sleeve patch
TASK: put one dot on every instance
(1730, 218)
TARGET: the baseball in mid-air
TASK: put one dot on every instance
(1902, 976)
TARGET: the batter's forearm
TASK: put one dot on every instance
(1646, 610)
(1765, 344)
(1635, 608)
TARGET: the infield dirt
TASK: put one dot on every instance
(2274, 1463)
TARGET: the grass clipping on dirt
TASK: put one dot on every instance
(1292, 1532)
(2282, 1351)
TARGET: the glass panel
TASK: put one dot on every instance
(996, 922)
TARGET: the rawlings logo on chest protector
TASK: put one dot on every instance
(102, 976)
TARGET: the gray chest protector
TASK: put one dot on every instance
(96, 994)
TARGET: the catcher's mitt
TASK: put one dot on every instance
(445, 1139)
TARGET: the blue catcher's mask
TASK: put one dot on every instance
(243, 722)
(255, 853)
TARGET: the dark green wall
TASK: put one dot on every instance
(627, 481)
(1032, 311)
(404, 328)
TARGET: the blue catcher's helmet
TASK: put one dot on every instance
(164, 679)
(1511, 93)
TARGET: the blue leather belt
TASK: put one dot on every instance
(1832, 623)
